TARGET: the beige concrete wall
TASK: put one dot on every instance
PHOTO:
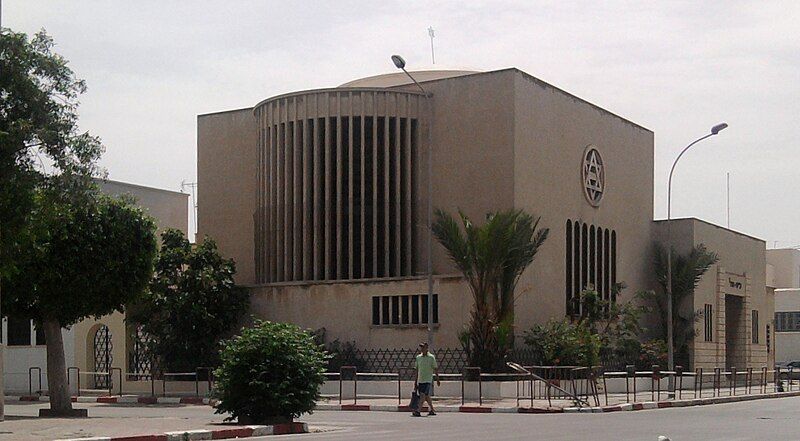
(169, 208)
(226, 194)
(344, 309)
(473, 153)
(742, 260)
(786, 267)
(551, 131)
(787, 344)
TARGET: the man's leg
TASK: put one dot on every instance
(430, 403)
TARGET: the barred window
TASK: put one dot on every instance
(403, 310)
(755, 326)
(708, 320)
(787, 321)
(769, 339)
(590, 261)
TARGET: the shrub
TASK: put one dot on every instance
(270, 373)
(339, 353)
(652, 352)
(562, 343)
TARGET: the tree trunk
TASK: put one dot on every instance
(60, 401)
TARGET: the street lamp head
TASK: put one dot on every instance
(718, 128)
(398, 61)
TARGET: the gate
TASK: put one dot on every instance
(102, 357)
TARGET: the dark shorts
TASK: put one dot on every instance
(424, 389)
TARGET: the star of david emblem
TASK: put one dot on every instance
(593, 176)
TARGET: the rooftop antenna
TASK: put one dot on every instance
(431, 33)
(728, 192)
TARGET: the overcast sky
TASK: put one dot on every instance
(675, 67)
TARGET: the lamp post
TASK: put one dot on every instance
(400, 63)
(670, 351)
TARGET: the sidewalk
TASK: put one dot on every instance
(113, 421)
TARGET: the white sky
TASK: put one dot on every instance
(676, 67)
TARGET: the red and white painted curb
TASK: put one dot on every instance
(192, 435)
(646, 405)
(127, 399)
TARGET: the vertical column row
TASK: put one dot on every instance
(335, 186)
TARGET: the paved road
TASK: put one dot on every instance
(775, 419)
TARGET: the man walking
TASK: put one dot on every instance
(425, 368)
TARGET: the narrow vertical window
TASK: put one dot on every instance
(592, 252)
(576, 267)
(436, 308)
(755, 326)
(385, 310)
(613, 265)
(405, 310)
(424, 308)
(584, 261)
(708, 320)
(414, 310)
(376, 310)
(395, 310)
(568, 267)
(769, 339)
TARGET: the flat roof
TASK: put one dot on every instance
(739, 233)
(224, 111)
(143, 187)
(540, 83)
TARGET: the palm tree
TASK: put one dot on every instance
(687, 271)
(491, 257)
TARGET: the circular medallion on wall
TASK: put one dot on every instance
(593, 174)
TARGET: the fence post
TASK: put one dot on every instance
(630, 371)
(679, 373)
(30, 379)
(653, 374)
(733, 381)
(717, 381)
(399, 393)
(749, 380)
(699, 377)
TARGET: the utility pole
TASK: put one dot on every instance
(431, 33)
(193, 187)
(2, 346)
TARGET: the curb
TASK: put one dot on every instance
(116, 399)
(192, 435)
(623, 407)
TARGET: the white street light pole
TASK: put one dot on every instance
(670, 341)
(400, 63)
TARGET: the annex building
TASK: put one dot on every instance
(320, 197)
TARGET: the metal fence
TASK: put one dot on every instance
(450, 360)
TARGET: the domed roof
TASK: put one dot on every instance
(400, 78)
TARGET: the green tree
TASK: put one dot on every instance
(191, 305)
(687, 272)
(491, 257)
(270, 373)
(88, 256)
(38, 127)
